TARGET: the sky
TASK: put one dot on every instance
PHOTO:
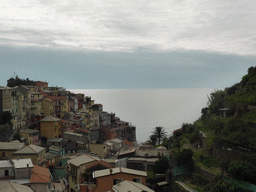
(106, 44)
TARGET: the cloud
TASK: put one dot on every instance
(126, 26)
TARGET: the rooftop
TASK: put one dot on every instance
(31, 149)
(72, 133)
(116, 140)
(8, 186)
(55, 140)
(40, 175)
(22, 163)
(55, 148)
(83, 159)
(11, 145)
(50, 118)
(130, 144)
(30, 131)
(106, 172)
(100, 162)
(131, 186)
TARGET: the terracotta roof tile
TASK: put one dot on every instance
(40, 175)
(126, 142)
(101, 162)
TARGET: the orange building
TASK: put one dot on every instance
(50, 127)
(107, 178)
(41, 84)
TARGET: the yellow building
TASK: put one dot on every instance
(50, 127)
(5, 99)
(8, 148)
(99, 149)
(64, 106)
(15, 110)
(77, 166)
(36, 103)
(36, 153)
(47, 107)
(32, 136)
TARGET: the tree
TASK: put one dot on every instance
(152, 140)
(5, 117)
(161, 165)
(160, 133)
(184, 158)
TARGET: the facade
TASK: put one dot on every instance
(36, 153)
(99, 149)
(40, 179)
(60, 105)
(76, 137)
(77, 166)
(50, 127)
(107, 178)
(32, 136)
(5, 99)
(15, 169)
(117, 143)
(47, 107)
(41, 84)
(8, 148)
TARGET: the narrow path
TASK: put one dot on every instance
(186, 187)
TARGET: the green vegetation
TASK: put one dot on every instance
(157, 136)
(161, 166)
(222, 139)
(184, 158)
(245, 171)
(5, 117)
(12, 82)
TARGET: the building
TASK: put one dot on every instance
(99, 149)
(36, 153)
(8, 186)
(16, 169)
(8, 148)
(130, 186)
(50, 127)
(36, 103)
(41, 84)
(40, 179)
(5, 99)
(77, 137)
(76, 167)
(114, 144)
(107, 178)
(47, 107)
(32, 136)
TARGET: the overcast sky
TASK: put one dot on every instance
(103, 44)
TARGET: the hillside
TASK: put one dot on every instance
(231, 113)
(223, 139)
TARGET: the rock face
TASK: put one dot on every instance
(5, 132)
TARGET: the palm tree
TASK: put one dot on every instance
(152, 140)
(160, 133)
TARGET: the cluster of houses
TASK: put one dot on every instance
(68, 143)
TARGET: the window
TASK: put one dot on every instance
(137, 180)
(119, 180)
(6, 172)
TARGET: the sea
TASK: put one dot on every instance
(148, 108)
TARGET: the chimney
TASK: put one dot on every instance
(111, 171)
